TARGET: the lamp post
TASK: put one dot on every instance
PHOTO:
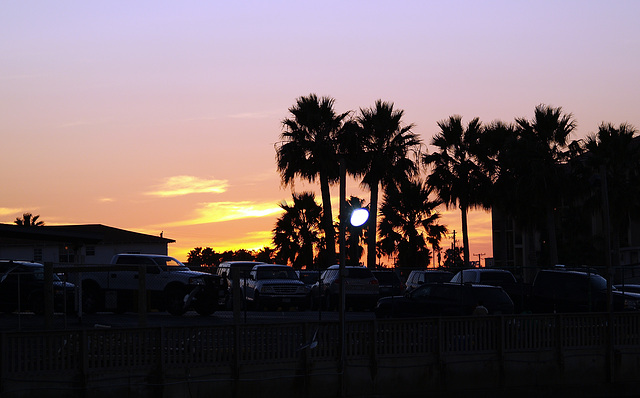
(343, 259)
(357, 218)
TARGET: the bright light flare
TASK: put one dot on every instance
(359, 217)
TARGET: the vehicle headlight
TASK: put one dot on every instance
(267, 289)
(196, 280)
(631, 304)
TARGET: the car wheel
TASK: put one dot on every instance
(257, 302)
(205, 304)
(175, 301)
(36, 304)
(90, 300)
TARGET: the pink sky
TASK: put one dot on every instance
(162, 116)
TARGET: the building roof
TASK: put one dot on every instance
(82, 234)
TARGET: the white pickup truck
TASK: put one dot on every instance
(170, 286)
(274, 286)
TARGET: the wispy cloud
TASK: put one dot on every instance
(255, 115)
(228, 211)
(186, 185)
(5, 211)
(243, 115)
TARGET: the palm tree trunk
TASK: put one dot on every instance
(465, 235)
(551, 231)
(327, 220)
(372, 228)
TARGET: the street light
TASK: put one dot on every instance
(358, 218)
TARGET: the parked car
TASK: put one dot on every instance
(442, 299)
(419, 277)
(389, 283)
(22, 288)
(227, 270)
(628, 287)
(170, 286)
(518, 292)
(309, 278)
(565, 290)
(361, 288)
(273, 286)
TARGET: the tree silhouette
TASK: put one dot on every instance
(386, 144)
(309, 150)
(297, 231)
(541, 148)
(407, 212)
(29, 220)
(457, 174)
(614, 152)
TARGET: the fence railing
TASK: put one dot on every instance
(230, 345)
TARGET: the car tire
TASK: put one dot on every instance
(90, 300)
(36, 304)
(257, 302)
(175, 301)
(205, 304)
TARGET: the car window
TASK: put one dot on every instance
(168, 262)
(359, 273)
(309, 278)
(438, 276)
(496, 278)
(276, 273)
(386, 277)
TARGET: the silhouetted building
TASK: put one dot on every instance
(75, 244)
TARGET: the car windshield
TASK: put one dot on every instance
(37, 271)
(386, 277)
(168, 262)
(309, 278)
(276, 273)
(359, 273)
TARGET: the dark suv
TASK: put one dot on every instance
(564, 290)
(22, 288)
(438, 299)
(361, 288)
(496, 277)
(389, 283)
(420, 277)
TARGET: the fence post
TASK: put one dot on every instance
(4, 360)
(373, 358)
(142, 296)
(48, 295)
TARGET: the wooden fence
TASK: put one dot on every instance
(240, 359)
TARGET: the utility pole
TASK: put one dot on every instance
(479, 258)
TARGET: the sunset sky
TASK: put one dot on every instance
(162, 116)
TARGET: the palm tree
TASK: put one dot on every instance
(29, 220)
(541, 147)
(297, 231)
(386, 145)
(458, 175)
(407, 213)
(614, 151)
(309, 149)
(435, 233)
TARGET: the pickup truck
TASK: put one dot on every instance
(273, 286)
(576, 290)
(170, 286)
